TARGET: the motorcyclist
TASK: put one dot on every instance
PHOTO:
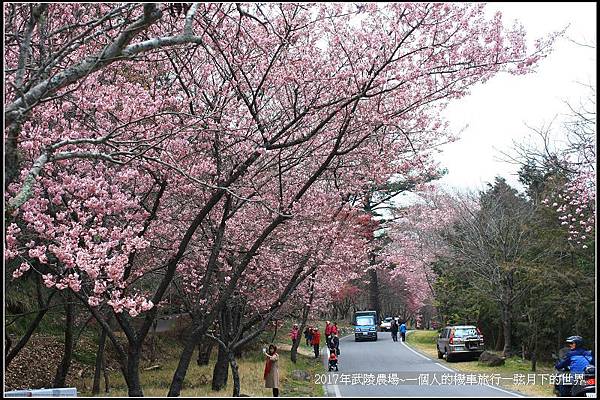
(576, 359)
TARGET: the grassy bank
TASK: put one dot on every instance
(36, 364)
(425, 342)
(197, 383)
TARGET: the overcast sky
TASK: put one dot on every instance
(496, 112)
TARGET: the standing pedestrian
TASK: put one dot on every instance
(295, 333)
(316, 341)
(328, 327)
(308, 335)
(271, 374)
(394, 330)
(403, 331)
(334, 329)
(335, 343)
(333, 361)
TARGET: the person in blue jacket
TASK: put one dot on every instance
(403, 331)
(575, 360)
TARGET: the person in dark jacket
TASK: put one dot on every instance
(576, 359)
(394, 330)
(335, 343)
(308, 335)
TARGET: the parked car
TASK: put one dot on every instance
(386, 324)
(459, 339)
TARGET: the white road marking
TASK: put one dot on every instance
(337, 391)
(417, 353)
(451, 370)
(338, 394)
(446, 368)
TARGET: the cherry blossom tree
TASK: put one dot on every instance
(416, 241)
(143, 148)
(568, 153)
(576, 203)
(344, 298)
(306, 256)
(52, 51)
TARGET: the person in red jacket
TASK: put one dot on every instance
(334, 329)
(333, 360)
(316, 341)
(328, 327)
(295, 334)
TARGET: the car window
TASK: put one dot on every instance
(388, 320)
(362, 321)
(444, 333)
(463, 332)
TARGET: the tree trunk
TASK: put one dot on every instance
(106, 381)
(204, 350)
(534, 350)
(221, 370)
(11, 154)
(507, 328)
(374, 293)
(305, 313)
(65, 363)
(296, 343)
(294, 351)
(346, 310)
(10, 355)
(533, 360)
(182, 366)
(99, 362)
(499, 342)
(7, 343)
(235, 373)
(238, 352)
(153, 342)
(133, 370)
(275, 333)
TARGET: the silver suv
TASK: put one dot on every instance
(459, 339)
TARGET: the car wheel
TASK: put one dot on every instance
(448, 356)
(440, 354)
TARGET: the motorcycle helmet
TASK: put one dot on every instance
(578, 340)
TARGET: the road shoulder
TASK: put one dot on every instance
(472, 367)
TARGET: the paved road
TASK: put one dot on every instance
(385, 356)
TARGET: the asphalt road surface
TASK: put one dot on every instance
(362, 363)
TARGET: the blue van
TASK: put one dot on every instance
(365, 325)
